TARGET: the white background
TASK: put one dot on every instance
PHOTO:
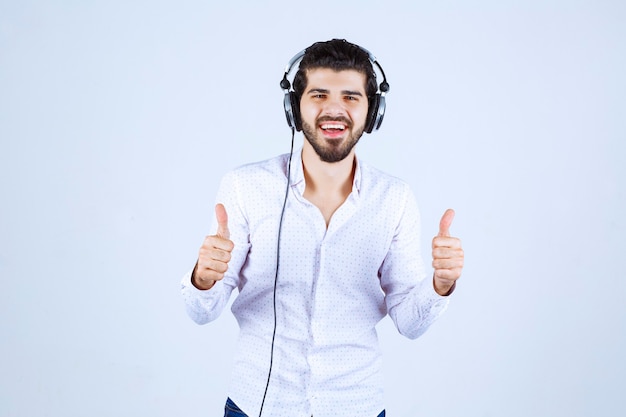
(117, 120)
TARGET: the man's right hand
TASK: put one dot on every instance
(214, 254)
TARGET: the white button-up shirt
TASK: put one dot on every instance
(334, 285)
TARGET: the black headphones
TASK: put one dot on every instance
(376, 107)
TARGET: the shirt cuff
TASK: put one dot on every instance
(430, 300)
(188, 286)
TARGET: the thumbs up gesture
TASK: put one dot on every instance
(447, 256)
(214, 253)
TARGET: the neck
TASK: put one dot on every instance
(326, 177)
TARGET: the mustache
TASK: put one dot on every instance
(341, 119)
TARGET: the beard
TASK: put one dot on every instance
(332, 150)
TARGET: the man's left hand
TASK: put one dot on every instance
(447, 257)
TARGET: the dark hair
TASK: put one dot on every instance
(338, 55)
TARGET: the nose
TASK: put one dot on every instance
(334, 106)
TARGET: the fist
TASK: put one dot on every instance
(214, 253)
(448, 256)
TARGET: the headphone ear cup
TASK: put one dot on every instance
(288, 110)
(295, 111)
(380, 111)
(372, 114)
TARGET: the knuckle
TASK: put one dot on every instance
(220, 267)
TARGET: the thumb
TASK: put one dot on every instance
(222, 221)
(446, 221)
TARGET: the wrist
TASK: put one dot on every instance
(206, 284)
(443, 287)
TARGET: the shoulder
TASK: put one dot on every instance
(257, 181)
(387, 198)
(256, 188)
(374, 180)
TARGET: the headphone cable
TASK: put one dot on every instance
(280, 227)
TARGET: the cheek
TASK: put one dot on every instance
(308, 112)
(359, 114)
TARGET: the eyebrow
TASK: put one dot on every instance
(343, 92)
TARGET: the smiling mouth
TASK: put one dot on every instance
(332, 127)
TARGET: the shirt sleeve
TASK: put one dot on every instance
(204, 306)
(412, 302)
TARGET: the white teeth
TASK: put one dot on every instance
(333, 126)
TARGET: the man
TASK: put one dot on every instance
(317, 268)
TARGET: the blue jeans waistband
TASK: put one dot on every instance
(231, 410)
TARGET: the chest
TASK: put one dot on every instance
(327, 204)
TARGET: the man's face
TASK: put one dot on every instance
(333, 108)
